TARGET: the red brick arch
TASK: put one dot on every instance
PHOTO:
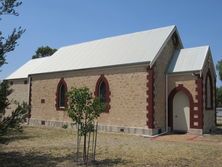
(61, 82)
(177, 89)
(101, 79)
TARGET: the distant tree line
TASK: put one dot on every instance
(44, 51)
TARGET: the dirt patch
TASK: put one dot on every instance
(176, 137)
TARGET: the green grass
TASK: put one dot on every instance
(41, 146)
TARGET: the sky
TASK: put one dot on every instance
(58, 23)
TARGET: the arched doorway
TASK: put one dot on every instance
(181, 112)
(180, 109)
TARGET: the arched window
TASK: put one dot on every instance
(208, 91)
(61, 99)
(62, 93)
(102, 91)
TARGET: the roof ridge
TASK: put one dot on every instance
(137, 47)
(120, 35)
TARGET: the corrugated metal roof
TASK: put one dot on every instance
(124, 49)
(131, 48)
(190, 59)
(28, 68)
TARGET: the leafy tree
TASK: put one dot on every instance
(14, 121)
(8, 44)
(43, 51)
(17, 117)
(7, 7)
(83, 109)
(219, 68)
(4, 92)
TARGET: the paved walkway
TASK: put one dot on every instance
(214, 139)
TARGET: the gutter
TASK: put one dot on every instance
(108, 67)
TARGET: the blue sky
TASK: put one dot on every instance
(58, 23)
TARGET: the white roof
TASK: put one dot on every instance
(139, 47)
(124, 49)
(190, 59)
(28, 68)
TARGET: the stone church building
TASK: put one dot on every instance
(151, 84)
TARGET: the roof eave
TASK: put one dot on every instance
(15, 78)
(145, 64)
(184, 72)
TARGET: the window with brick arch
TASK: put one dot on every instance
(61, 99)
(62, 93)
(102, 91)
(208, 91)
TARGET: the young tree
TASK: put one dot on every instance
(83, 109)
(13, 121)
(43, 51)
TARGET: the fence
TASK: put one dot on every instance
(219, 116)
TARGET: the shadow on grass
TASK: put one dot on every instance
(10, 138)
(35, 159)
(110, 162)
(28, 159)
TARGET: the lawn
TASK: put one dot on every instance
(41, 146)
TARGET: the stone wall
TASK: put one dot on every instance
(186, 79)
(191, 83)
(128, 94)
(20, 92)
(160, 68)
(209, 116)
(101, 127)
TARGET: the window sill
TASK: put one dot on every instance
(61, 108)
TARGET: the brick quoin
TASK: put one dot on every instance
(150, 98)
(199, 104)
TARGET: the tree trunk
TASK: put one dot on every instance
(84, 149)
